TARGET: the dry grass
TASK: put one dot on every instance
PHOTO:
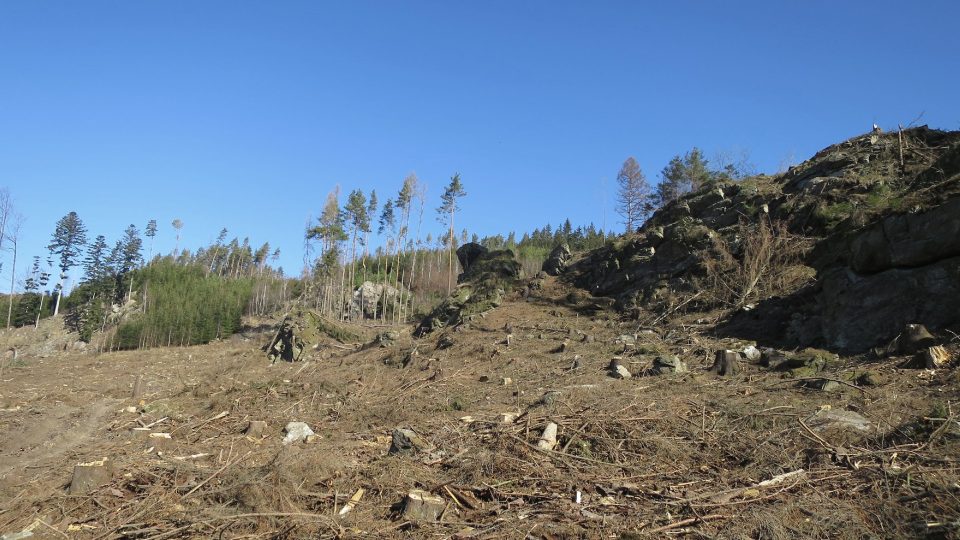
(764, 261)
(650, 456)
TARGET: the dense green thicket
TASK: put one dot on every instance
(26, 308)
(184, 306)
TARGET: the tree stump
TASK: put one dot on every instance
(89, 476)
(138, 387)
(914, 338)
(726, 363)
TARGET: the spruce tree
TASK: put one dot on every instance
(151, 232)
(69, 237)
(447, 212)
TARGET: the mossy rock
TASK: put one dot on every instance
(807, 362)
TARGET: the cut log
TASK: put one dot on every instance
(548, 439)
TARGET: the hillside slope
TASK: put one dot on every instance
(841, 251)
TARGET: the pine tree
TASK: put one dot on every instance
(127, 257)
(633, 194)
(356, 218)
(68, 238)
(447, 213)
(683, 175)
(329, 230)
(96, 268)
(404, 203)
(151, 232)
(387, 223)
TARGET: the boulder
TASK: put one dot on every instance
(468, 254)
(370, 298)
(556, 262)
(828, 419)
(408, 441)
(666, 364)
(617, 370)
(752, 353)
(482, 287)
(297, 432)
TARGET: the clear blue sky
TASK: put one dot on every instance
(245, 114)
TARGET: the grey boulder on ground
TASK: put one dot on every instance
(666, 364)
(408, 441)
(297, 432)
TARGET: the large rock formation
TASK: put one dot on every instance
(370, 299)
(861, 239)
(486, 278)
(556, 262)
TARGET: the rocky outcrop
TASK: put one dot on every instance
(556, 262)
(855, 312)
(907, 240)
(303, 330)
(880, 214)
(370, 298)
(486, 278)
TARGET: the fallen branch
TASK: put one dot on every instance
(802, 379)
(689, 521)
(214, 475)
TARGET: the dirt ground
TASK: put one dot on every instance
(690, 455)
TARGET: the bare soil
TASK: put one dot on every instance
(652, 456)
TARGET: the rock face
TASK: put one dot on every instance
(467, 254)
(486, 278)
(556, 262)
(876, 242)
(907, 240)
(855, 312)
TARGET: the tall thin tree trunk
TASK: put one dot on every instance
(40, 310)
(56, 307)
(13, 273)
(450, 256)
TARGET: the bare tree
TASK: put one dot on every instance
(13, 235)
(6, 212)
(633, 194)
